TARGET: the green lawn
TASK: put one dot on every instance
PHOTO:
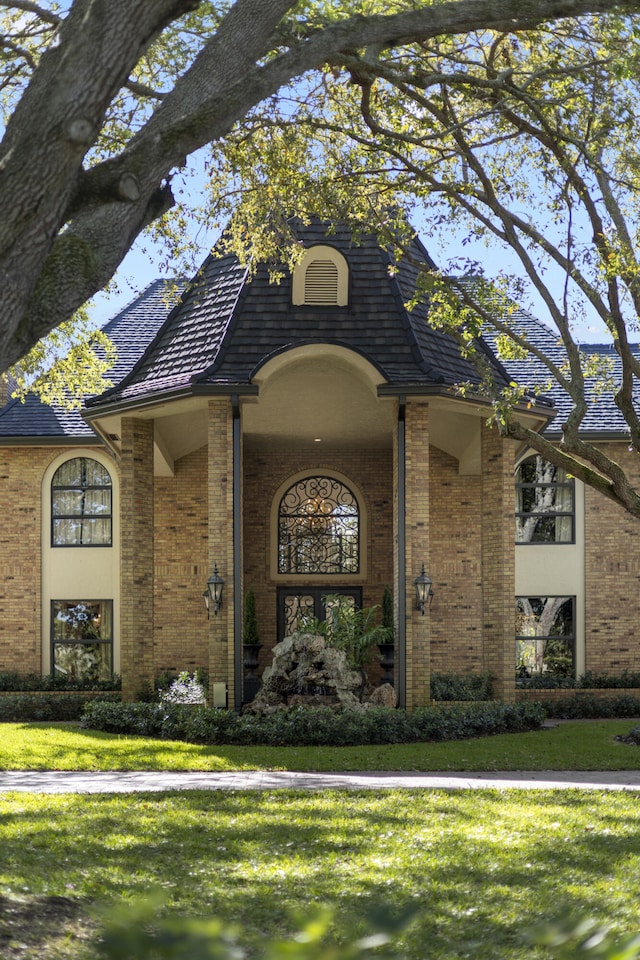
(480, 868)
(570, 746)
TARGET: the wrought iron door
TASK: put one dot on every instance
(299, 604)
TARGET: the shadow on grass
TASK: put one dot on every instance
(481, 867)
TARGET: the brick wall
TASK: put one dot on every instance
(418, 550)
(181, 632)
(456, 568)
(220, 536)
(498, 562)
(137, 574)
(21, 472)
(612, 575)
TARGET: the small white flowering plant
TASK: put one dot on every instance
(186, 688)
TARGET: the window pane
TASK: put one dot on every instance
(544, 503)
(318, 528)
(82, 639)
(545, 634)
(75, 620)
(82, 661)
(81, 488)
(299, 611)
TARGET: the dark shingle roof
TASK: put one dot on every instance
(602, 417)
(131, 330)
(228, 323)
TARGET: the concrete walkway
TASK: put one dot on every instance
(42, 781)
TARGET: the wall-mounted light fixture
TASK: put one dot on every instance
(424, 591)
(213, 594)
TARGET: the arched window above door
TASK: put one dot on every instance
(318, 528)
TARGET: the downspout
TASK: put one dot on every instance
(237, 555)
(402, 560)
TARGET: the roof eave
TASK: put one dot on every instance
(546, 411)
(153, 399)
(50, 441)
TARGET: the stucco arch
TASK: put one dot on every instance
(325, 255)
(320, 393)
(79, 573)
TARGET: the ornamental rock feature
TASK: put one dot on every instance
(307, 671)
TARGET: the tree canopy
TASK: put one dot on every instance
(508, 119)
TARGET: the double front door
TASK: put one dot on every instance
(301, 606)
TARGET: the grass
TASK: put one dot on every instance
(581, 745)
(480, 868)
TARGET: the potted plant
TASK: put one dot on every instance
(386, 645)
(251, 644)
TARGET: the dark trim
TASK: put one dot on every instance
(182, 393)
(401, 390)
(237, 555)
(89, 641)
(401, 686)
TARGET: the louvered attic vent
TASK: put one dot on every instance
(321, 283)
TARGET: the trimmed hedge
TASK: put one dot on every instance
(583, 706)
(36, 681)
(590, 680)
(454, 686)
(16, 707)
(312, 727)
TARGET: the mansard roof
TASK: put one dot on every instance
(131, 330)
(228, 322)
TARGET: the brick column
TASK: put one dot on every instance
(498, 562)
(417, 552)
(221, 645)
(136, 524)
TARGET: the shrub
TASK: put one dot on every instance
(185, 689)
(250, 633)
(452, 686)
(10, 681)
(583, 706)
(302, 726)
(26, 707)
(590, 680)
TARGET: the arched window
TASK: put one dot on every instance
(544, 503)
(81, 511)
(318, 528)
